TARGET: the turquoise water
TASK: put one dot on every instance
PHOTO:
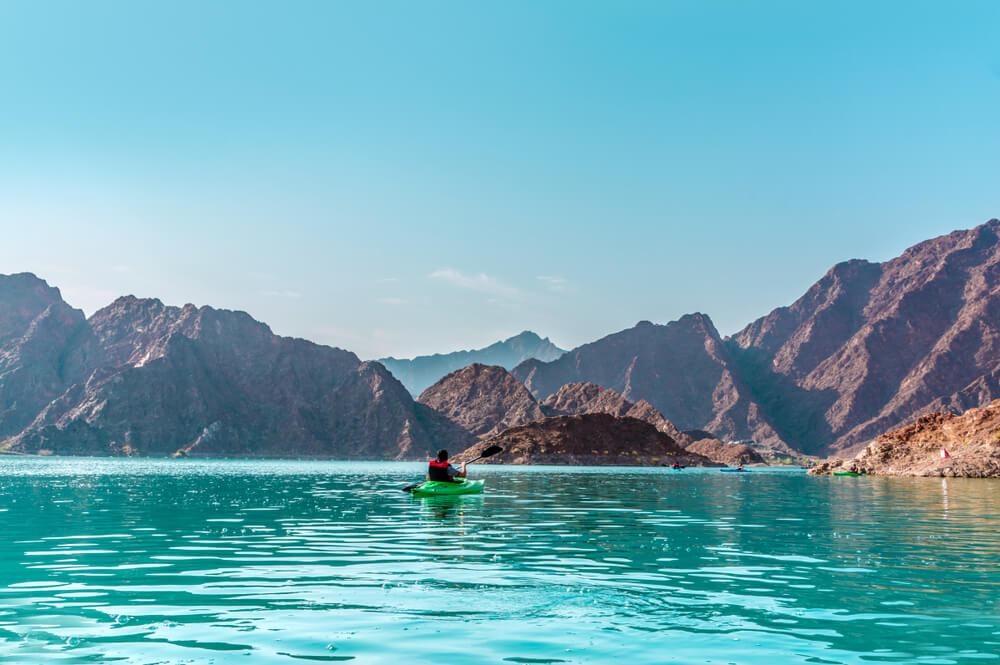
(157, 561)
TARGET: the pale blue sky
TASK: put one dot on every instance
(410, 177)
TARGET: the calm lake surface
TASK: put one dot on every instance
(177, 561)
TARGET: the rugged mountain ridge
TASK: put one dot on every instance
(420, 373)
(869, 347)
(683, 369)
(140, 377)
(483, 400)
(873, 345)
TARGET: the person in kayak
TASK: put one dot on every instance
(440, 470)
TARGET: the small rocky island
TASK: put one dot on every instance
(963, 445)
(726, 453)
(587, 439)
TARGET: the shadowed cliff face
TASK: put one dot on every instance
(482, 400)
(159, 380)
(871, 346)
(37, 333)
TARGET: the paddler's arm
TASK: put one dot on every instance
(461, 474)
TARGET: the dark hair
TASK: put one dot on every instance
(442, 455)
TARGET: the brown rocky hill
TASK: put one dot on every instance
(726, 453)
(874, 345)
(683, 369)
(482, 400)
(588, 439)
(972, 441)
(156, 380)
(585, 397)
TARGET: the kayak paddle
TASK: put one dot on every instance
(489, 452)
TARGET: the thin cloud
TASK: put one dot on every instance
(553, 283)
(481, 282)
(392, 301)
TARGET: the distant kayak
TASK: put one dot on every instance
(847, 473)
(733, 470)
(436, 488)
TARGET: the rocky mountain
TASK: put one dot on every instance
(37, 330)
(682, 369)
(591, 438)
(971, 442)
(483, 400)
(419, 373)
(874, 345)
(584, 397)
(140, 377)
(869, 347)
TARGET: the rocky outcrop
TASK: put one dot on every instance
(482, 400)
(588, 439)
(725, 453)
(970, 441)
(874, 345)
(585, 397)
(421, 372)
(142, 378)
(682, 369)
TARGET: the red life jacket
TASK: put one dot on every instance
(438, 471)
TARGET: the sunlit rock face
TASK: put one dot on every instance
(143, 378)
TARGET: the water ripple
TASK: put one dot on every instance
(209, 562)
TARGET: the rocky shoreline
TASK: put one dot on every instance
(945, 445)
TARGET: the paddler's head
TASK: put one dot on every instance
(442, 455)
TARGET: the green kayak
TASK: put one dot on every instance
(847, 473)
(435, 488)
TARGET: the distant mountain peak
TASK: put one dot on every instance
(419, 373)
